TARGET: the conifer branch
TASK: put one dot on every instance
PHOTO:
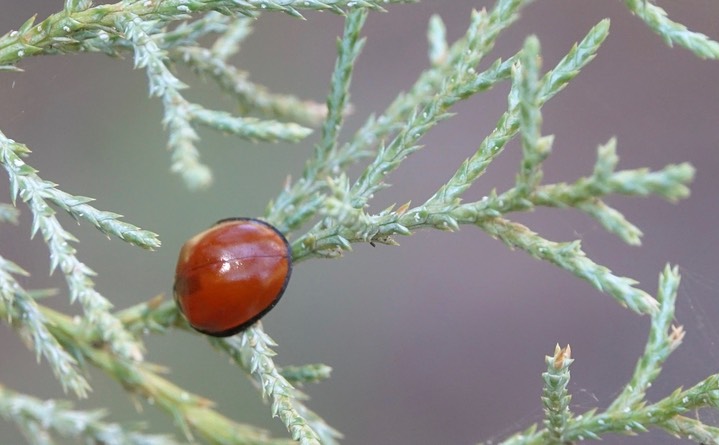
(325, 194)
(192, 413)
(180, 114)
(9, 213)
(35, 193)
(663, 339)
(508, 125)
(18, 307)
(630, 413)
(24, 177)
(555, 397)
(252, 349)
(40, 418)
(250, 96)
(305, 192)
(570, 257)
(79, 28)
(672, 32)
(229, 42)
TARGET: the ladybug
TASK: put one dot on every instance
(231, 275)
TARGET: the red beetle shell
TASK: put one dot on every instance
(231, 275)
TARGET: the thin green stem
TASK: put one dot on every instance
(65, 31)
(45, 416)
(191, 412)
(283, 211)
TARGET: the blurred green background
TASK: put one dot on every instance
(439, 341)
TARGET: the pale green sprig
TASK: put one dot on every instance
(24, 315)
(178, 118)
(185, 158)
(76, 5)
(293, 7)
(611, 219)
(672, 32)
(188, 33)
(344, 220)
(235, 33)
(508, 125)
(154, 315)
(68, 31)
(180, 114)
(669, 183)
(191, 412)
(630, 413)
(348, 50)
(327, 434)
(555, 396)
(535, 148)
(339, 209)
(443, 209)
(311, 373)
(663, 339)
(306, 191)
(344, 224)
(479, 39)
(107, 222)
(35, 192)
(499, 71)
(252, 97)
(328, 242)
(584, 194)
(252, 350)
(249, 128)
(212, 63)
(465, 53)
(9, 213)
(504, 13)
(666, 414)
(570, 257)
(158, 315)
(23, 176)
(253, 353)
(661, 414)
(576, 59)
(437, 40)
(692, 429)
(486, 214)
(389, 157)
(58, 416)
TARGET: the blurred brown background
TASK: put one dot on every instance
(440, 341)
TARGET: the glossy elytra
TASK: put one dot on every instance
(231, 275)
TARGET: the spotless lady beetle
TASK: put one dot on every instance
(231, 275)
